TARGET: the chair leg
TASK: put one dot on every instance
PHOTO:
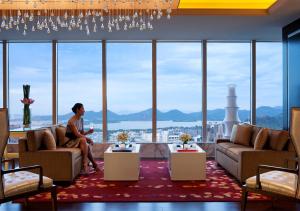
(244, 199)
(54, 198)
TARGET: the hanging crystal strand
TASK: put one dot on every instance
(109, 22)
(118, 20)
(94, 21)
(150, 21)
(141, 20)
(25, 25)
(144, 20)
(125, 21)
(11, 20)
(102, 19)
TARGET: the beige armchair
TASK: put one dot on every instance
(279, 182)
(20, 182)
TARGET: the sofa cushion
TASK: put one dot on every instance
(49, 140)
(261, 139)
(35, 139)
(278, 139)
(234, 152)
(61, 132)
(255, 131)
(76, 152)
(223, 147)
(241, 134)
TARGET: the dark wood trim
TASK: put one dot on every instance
(54, 82)
(104, 93)
(290, 28)
(204, 90)
(154, 90)
(285, 81)
(287, 31)
(5, 75)
(253, 83)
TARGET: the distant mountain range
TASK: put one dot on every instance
(172, 115)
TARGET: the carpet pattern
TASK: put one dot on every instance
(154, 185)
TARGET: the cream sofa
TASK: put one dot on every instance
(60, 164)
(242, 161)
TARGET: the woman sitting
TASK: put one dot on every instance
(77, 137)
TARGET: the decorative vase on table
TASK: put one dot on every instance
(185, 138)
(122, 138)
(27, 102)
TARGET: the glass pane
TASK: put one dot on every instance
(1, 75)
(79, 72)
(269, 85)
(30, 63)
(129, 90)
(179, 91)
(228, 64)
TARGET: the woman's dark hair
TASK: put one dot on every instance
(76, 107)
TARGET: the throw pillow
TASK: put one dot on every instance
(34, 139)
(255, 132)
(241, 134)
(61, 132)
(49, 140)
(278, 139)
(261, 139)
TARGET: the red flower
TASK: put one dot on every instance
(27, 101)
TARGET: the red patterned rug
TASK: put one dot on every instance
(154, 185)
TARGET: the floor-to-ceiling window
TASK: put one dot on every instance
(179, 90)
(79, 80)
(31, 64)
(269, 84)
(228, 65)
(129, 85)
(129, 90)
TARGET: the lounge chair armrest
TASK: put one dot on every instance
(26, 169)
(258, 183)
(12, 161)
(295, 159)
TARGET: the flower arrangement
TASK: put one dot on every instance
(27, 102)
(185, 138)
(122, 137)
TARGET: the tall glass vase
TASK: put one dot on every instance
(26, 111)
(26, 116)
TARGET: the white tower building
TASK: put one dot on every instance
(231, 111)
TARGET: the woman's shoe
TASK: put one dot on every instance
(96, 168)
(85, 170)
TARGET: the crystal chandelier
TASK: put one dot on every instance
(28, 16)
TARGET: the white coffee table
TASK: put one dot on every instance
(187, 165)
(122, 166)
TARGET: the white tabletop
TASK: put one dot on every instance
(173, 149)
(135, 149)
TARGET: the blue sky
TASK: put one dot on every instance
(129, 75)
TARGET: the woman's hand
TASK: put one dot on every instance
(90, 131)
